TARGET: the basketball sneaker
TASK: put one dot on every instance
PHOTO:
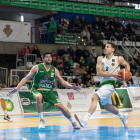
(42, 124)
(75, 125)
(124, 119)
(8, 118)
(82, 121)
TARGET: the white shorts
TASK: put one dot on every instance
(105, 93)
(0, 96)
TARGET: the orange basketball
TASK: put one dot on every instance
(125, 74)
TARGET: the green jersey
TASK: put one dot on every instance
(43, 79)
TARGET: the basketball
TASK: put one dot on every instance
(125, 74)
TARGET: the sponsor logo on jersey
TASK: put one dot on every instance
(52, 74)
(52, 70)
(47, 77)
(113, 64)
(41, 68)
(113, 60)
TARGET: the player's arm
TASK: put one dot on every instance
(65, 83)
(123, 62)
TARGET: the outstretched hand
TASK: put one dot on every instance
(13, 91)
(76, 88)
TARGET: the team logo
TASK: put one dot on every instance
(47, 77)
(8, 31)
(41, 68)
(102, 63)
(69, 105)
(113, 64)
(70, 96)
(52, 70)
(52, 74)
(113, 60)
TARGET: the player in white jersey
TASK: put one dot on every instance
(107, 70)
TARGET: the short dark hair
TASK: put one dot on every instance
(46, 54)
(112, 45)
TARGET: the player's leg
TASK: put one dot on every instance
(3, 106)
(52, 98)
(114, 110)
(39, 106)
(92, 108)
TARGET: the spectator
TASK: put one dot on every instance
(60, 67)
(110, 23)
(77, 69)
(97, 29)
(43, 33)
(54, 62)
(51, 29)
(82, 62)
(96, 38)
(98, 54)
(71, 52)
(129, 27)
(92, 66)
(88, 84)
(133, 67)
(92, 82)
(102, 24)
(138, 59)
(89, 59)
(70, 80)
(112, 31)
(54, 55)
(25, 50)
(37, 52)
(64, 28)
(83, 22)
(86, 53)
(67, 67)
(96, 23)
(132, 35)
(115, 24)
(4, 85)
(107, 32)
(86, 76)
(91, 31)
(84, 86)
(136, 53)
(119, 34)
(79, 53)
(120, 23)
(77, 24)
(61, 72)
(85, 33)
(136, 78)
(76, 77)
(61, 52)
(14, 84)
(93, 52)
(134, 25)
(137, 32)
(79, 83)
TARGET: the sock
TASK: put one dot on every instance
(71, 120)
(5, 113)
(41, 115)
(87, 116)
(120, 115)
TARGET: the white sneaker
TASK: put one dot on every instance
(124, 120)
(42, 124)
(75, 125)
(81, 120)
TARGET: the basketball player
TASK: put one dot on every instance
(107, 70)
(42, 86)
(3, 106)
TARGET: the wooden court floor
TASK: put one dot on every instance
(102, 125)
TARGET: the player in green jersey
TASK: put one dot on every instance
(42, 86)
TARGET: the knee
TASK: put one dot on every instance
(59, 106)
(95, 97)
(38, 98)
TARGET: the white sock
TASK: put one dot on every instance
(5, 113)
(120, 115)
(87, 116)
(71, 120)
(41, 115)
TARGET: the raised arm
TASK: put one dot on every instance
(123, 62)
(65, 83)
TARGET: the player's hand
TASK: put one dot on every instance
(76, 88)
(13, 91)
(116, 75)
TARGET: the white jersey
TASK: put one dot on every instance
(109, 66)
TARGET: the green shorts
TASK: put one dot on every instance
(47, 97)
